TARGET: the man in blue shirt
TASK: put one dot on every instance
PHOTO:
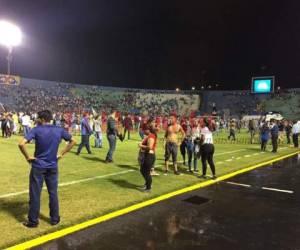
(86, 131)
(47, 138)
(274, 135)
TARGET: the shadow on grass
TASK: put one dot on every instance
(123, 184)
(93, 158)
(19, 210)
(127, 166)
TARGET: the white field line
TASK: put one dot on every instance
(229, 152)
(264, 188)
(161, 165)
(237, 184)
(247, 155)
(278, 190)
(69, 183)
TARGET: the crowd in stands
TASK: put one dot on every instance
(64, 97)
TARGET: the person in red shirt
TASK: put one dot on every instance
(147, 148)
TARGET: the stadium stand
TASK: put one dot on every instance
(34, 94)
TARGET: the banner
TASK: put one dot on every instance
(10, 79)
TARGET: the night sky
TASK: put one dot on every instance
(156, 44)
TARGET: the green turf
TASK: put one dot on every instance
(82, 201)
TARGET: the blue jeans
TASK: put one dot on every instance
(26, 130)
(36, 180)
(112, 140)
(141, 133)
(191, 152)
(98, 140)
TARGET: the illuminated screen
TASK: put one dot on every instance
(262, 85)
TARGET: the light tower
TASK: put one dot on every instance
(10, 36)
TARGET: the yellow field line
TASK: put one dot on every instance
(75, 228)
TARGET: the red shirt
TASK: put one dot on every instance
(145, 141)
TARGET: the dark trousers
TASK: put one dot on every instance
(141, 133)
(252, 133)
(36, 180)
(112, 141)
(274, 143)
(183, 150)
(145, 170)
(128, 131)
(263, 145)
(85, 142)
(295, 140)
(231, 134)
(288, 137)
(207, 153)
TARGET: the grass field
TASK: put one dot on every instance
(90, 188)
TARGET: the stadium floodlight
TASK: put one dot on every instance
(193, 88)
(10, 36)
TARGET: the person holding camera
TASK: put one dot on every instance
(44, 167)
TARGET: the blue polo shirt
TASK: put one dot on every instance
(47, 139)
(85, 127)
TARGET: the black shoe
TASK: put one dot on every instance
(214, 177)
(53, 223)
(203, 176)
(176, 173)
(196, 170)
(30, 224)
(77, 153)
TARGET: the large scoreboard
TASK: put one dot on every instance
(262, 84)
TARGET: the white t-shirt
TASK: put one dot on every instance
(97, 124)
(208, 137)
(25, 120)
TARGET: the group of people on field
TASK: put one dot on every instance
(48, 136)
(193, 138)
